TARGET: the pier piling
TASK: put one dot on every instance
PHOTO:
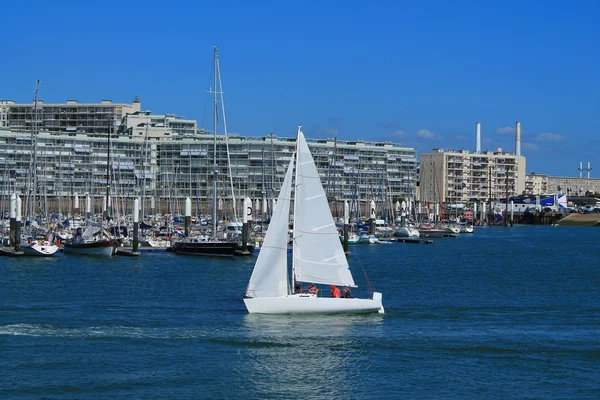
(188, 216)
(136, 224)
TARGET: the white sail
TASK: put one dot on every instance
(269, 277)
(318, 253)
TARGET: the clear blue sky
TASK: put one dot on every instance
(419, 73)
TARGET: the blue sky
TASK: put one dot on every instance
(419, 73)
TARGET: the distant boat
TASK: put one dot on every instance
(39, 248)
(94, 241)
(215, 246)
(430, 232)
(203, 246)
(318, 256)
(368, 239)
(407, 232)
(353, 238)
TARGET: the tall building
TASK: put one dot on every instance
(171, 168)
(461, 177)
(537, 184)
(95, 119)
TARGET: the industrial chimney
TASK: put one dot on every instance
(589, 169)
(518, 139)
(478, 138)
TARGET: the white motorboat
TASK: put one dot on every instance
(39, 248)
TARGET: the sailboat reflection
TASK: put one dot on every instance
(300, 356)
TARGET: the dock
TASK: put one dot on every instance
(414, 240)
(126, 251)
(9, 251)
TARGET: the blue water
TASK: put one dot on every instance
(504, 313)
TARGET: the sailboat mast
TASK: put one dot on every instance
(108, 176)
(229, 171)
(214, 199)
(31, 183)
(294, 199)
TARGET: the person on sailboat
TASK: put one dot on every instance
(335, 292)
(312, 289)
(346, 293)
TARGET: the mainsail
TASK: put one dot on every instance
(269, 277)
(318, 253)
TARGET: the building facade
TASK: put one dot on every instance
(95, 119)
(462, 177)
(537, 184)
(165, 170)
(144, 123)
(573, 186)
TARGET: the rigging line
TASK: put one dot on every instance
(206, 101)
(218, 66)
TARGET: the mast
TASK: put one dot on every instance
(271, 193)
(214, 200)
(144, 163)
(31, 182)
(108, 177)
(294, 199)
(226, 141)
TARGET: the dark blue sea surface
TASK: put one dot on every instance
(503, 313)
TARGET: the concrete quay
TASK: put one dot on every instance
(580, 220)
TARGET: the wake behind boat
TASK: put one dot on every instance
(318, 256)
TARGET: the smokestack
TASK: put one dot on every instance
(478, 138)
(589, 169)
(518, 139)
(580, 168)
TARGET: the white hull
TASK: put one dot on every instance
(407, 232)
(311, 304)
(91, 251)
(369, 239)
(39, 250)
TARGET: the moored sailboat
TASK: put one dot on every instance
(213, 245)
(33, 246)
(94, 241)
(318, 256)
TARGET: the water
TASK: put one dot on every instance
(504, 313)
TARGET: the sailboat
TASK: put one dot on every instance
(318, 255)
(214, 246)
(34, 245)
(95, 240)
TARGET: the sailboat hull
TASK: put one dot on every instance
(100, 248)
(39, 250)
(310, 304)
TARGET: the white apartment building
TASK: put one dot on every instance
(537, 184)
(71, 117)
(461, 177)
(171, 168)
(145, 124)
(573, 186)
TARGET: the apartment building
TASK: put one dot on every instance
(72, 117)
(144, 124)
(537, 184)
(573, 186)
(461, 177)
(171, 168)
